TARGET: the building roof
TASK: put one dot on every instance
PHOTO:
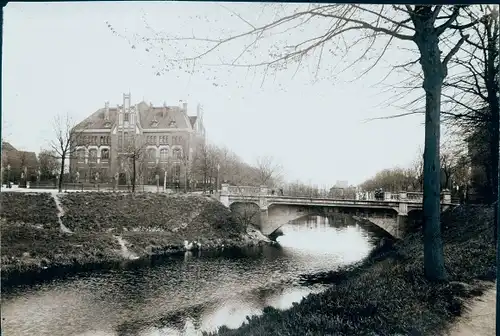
(7, 146)
(150, 117)
(193, 120)
(19, 159)
(162, 117)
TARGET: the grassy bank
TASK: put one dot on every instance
(388, 294)
(149, 224)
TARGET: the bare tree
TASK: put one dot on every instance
(449, 165)
(134, 152)
(393, 180)
(67, 136)
(48, 163)
(203, 162)
(474, 94)
(268, 171)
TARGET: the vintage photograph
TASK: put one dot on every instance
(215, 168)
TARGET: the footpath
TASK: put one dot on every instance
(480, 319)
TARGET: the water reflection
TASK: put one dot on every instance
(187, 294)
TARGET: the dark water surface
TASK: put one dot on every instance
(189, 294)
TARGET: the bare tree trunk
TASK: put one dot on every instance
(134, 173)
(204, 180)
(433, 78)
(61, 173)
(493, 91)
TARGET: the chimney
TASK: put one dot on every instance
(126, 101)
(106, 112)
(120, 114)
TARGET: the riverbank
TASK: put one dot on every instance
(387, 294)
(106, 229)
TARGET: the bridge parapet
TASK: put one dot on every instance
(402, 201)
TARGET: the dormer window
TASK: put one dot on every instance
(107, 124)
(154, 123)
(172, 124)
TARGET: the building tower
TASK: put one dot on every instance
(126, 131)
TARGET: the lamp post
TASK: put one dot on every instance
(165, 180)
(186, 172)
(218, 176)
(38, 177)
(8, 176)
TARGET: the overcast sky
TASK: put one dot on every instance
(62, 58)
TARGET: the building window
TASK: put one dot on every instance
(163, 140)
(81, 155)
(93, 155)
(151, 140)
(151, 154)
(127, 139)
(126, 118)
(177, 171)
(105, 154)
(177, 153)
(164, 155)
(177, 140)
(104, 140)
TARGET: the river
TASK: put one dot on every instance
(185, 295)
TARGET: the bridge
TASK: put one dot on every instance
(268, 211)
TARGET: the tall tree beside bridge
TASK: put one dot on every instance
(423, 25)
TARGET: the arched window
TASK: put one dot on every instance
(177, 153)
(164, 155)
(105, 154)
(81, 154)
(152, 154)
(93, 154)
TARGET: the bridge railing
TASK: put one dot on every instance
(364, 196)
(414, 196)
(244, 190)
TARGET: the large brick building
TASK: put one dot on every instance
(164, 137)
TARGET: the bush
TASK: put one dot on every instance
(35, 208)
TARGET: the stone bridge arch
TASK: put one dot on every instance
(278, 215)
(246, 212)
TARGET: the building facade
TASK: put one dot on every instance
(18, 165)
(158, 140)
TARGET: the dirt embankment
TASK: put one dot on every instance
(110, 228)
